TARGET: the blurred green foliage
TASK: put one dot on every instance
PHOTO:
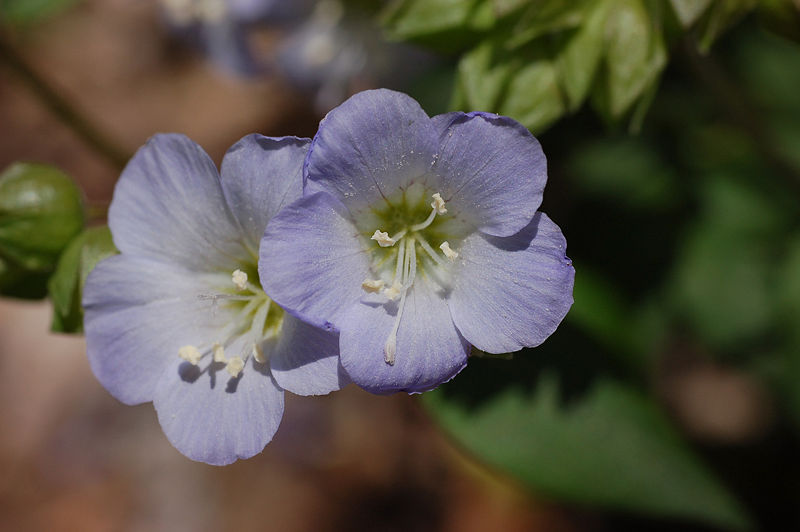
(537, 60)
(41, 210)
(685, 239)
(615, 449)
(24, 12)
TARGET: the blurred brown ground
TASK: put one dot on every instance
(73, 458)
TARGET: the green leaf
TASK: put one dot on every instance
(580, 58)
(29, 11)
(483, 76)
(522, 87)
(546, 16)
(688, 11)
(40, 212)
(447, 25)
(66, 284)
(613, 449)
(636, 54)
(533, 97)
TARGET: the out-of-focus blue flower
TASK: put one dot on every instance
(179, 317)
(417, 237)
(221, 28)
(339, 51)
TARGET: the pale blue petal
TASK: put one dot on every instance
(312, 260)
(430, 350)
(306, 359)
(213, 418)
(168, 204)
(491, 170)
(259, 176)
(512, 292)
(138, 313)
(370, 147)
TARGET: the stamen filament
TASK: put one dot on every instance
(401, 255)
(431, 252)
(428, 221)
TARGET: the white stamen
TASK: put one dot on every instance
(219, 353)
(239, 278)
(372, 286)
(383, 239)
(438, 204)
(393, 291)
(258, 354)
(428, 221)
(190, 354)
(431, 252)
(409, 271)
(235, 366)
(448, 251)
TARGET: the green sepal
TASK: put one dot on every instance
(66, 284)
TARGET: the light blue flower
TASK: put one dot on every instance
(179, 317)
(418, 237)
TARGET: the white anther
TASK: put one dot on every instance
(258, 354)
(438, 204)
(383, 239)
(219, 353)
(390, 349)
(372, 286)
(239, 278)
(393, 292)
(235, 366)
(448, 252)
(190, 354)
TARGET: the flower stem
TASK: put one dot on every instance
(61, 107)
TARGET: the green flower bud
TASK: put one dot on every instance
(40, 212)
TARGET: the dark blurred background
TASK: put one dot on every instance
(669, 399)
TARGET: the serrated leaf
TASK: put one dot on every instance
(66, 284)
(613, 449)
(40, 212)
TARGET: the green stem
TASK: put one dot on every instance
(61, 107)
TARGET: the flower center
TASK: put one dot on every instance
(400, 263)
(255, 319)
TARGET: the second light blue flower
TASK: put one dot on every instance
(418, 237)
